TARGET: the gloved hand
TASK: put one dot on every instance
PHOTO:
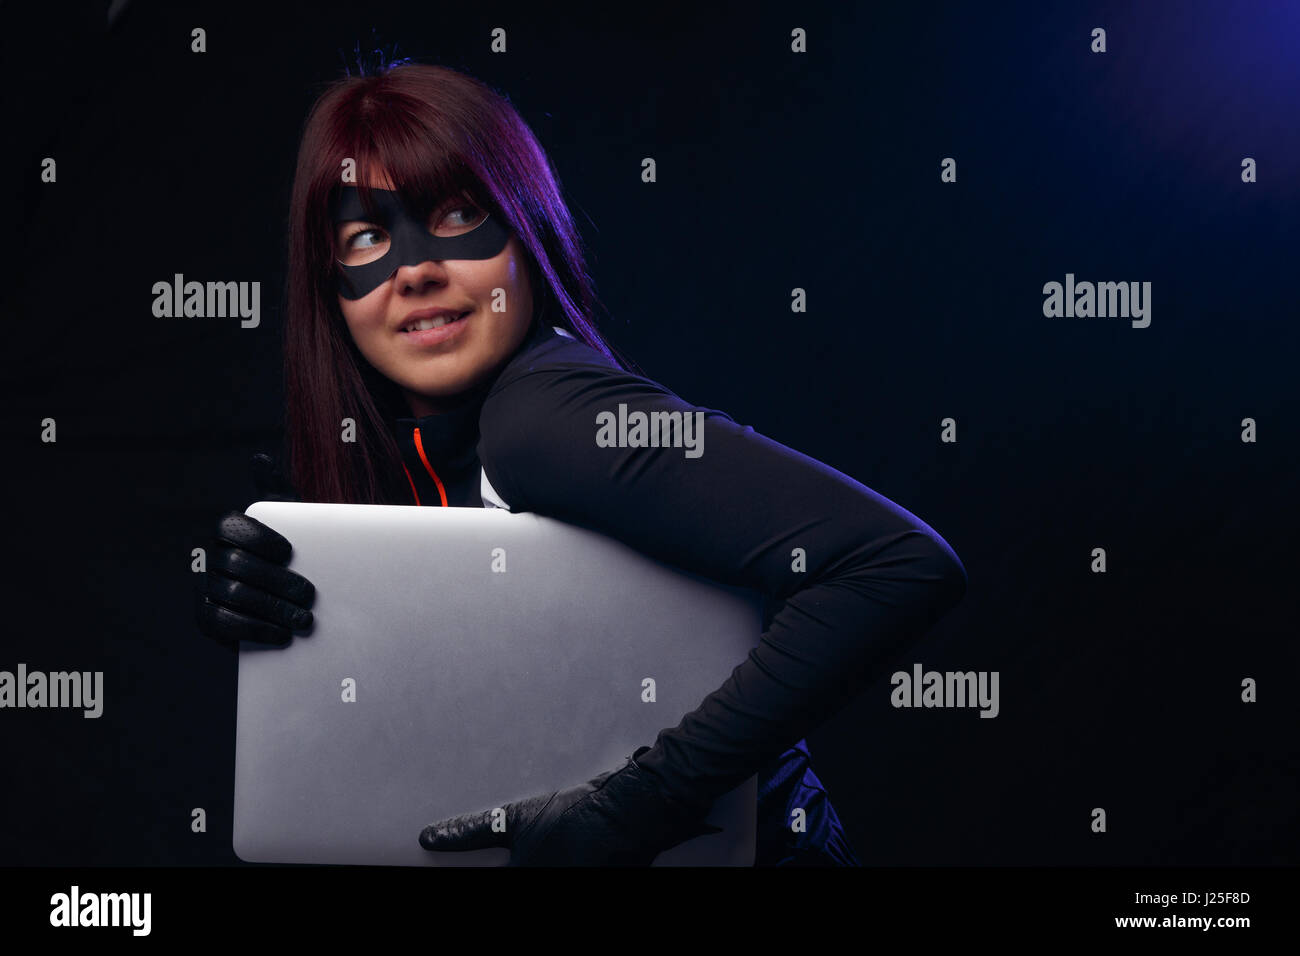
(248, 592)
(619, 818)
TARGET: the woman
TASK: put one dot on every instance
(438, 302)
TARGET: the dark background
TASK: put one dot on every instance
(1118, 690)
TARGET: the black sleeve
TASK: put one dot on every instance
(876, 575)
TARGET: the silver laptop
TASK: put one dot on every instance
(460, 659)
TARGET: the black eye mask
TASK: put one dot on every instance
(410, 241)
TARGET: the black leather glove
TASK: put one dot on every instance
(248, 593)
(619, 818)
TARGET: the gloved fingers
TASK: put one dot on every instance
(524, 816)
(229, 627)
(246, 532)
(275, 579)
(618, 818)
(244, 598)
(505, 826)
(469, 831)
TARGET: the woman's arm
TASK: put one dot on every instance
(739, 508)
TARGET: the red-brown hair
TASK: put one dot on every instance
(436, 132)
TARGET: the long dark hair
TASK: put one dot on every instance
(436, 132)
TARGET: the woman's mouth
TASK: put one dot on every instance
(431, 331)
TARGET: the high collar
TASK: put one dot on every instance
(440, 451)
(448, 435)
(448, 438)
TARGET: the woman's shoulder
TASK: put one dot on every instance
(554, 369)
(551, 347)
(543, 410)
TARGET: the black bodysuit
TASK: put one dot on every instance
(848, 575)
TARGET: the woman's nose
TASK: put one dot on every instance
(421, 276)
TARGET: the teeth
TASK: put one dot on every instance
(425, 324)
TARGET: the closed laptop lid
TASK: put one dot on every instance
(461, 659)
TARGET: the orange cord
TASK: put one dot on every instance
(442, 492)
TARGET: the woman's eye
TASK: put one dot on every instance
(351, 242)
(362, 245)
(458, 220)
